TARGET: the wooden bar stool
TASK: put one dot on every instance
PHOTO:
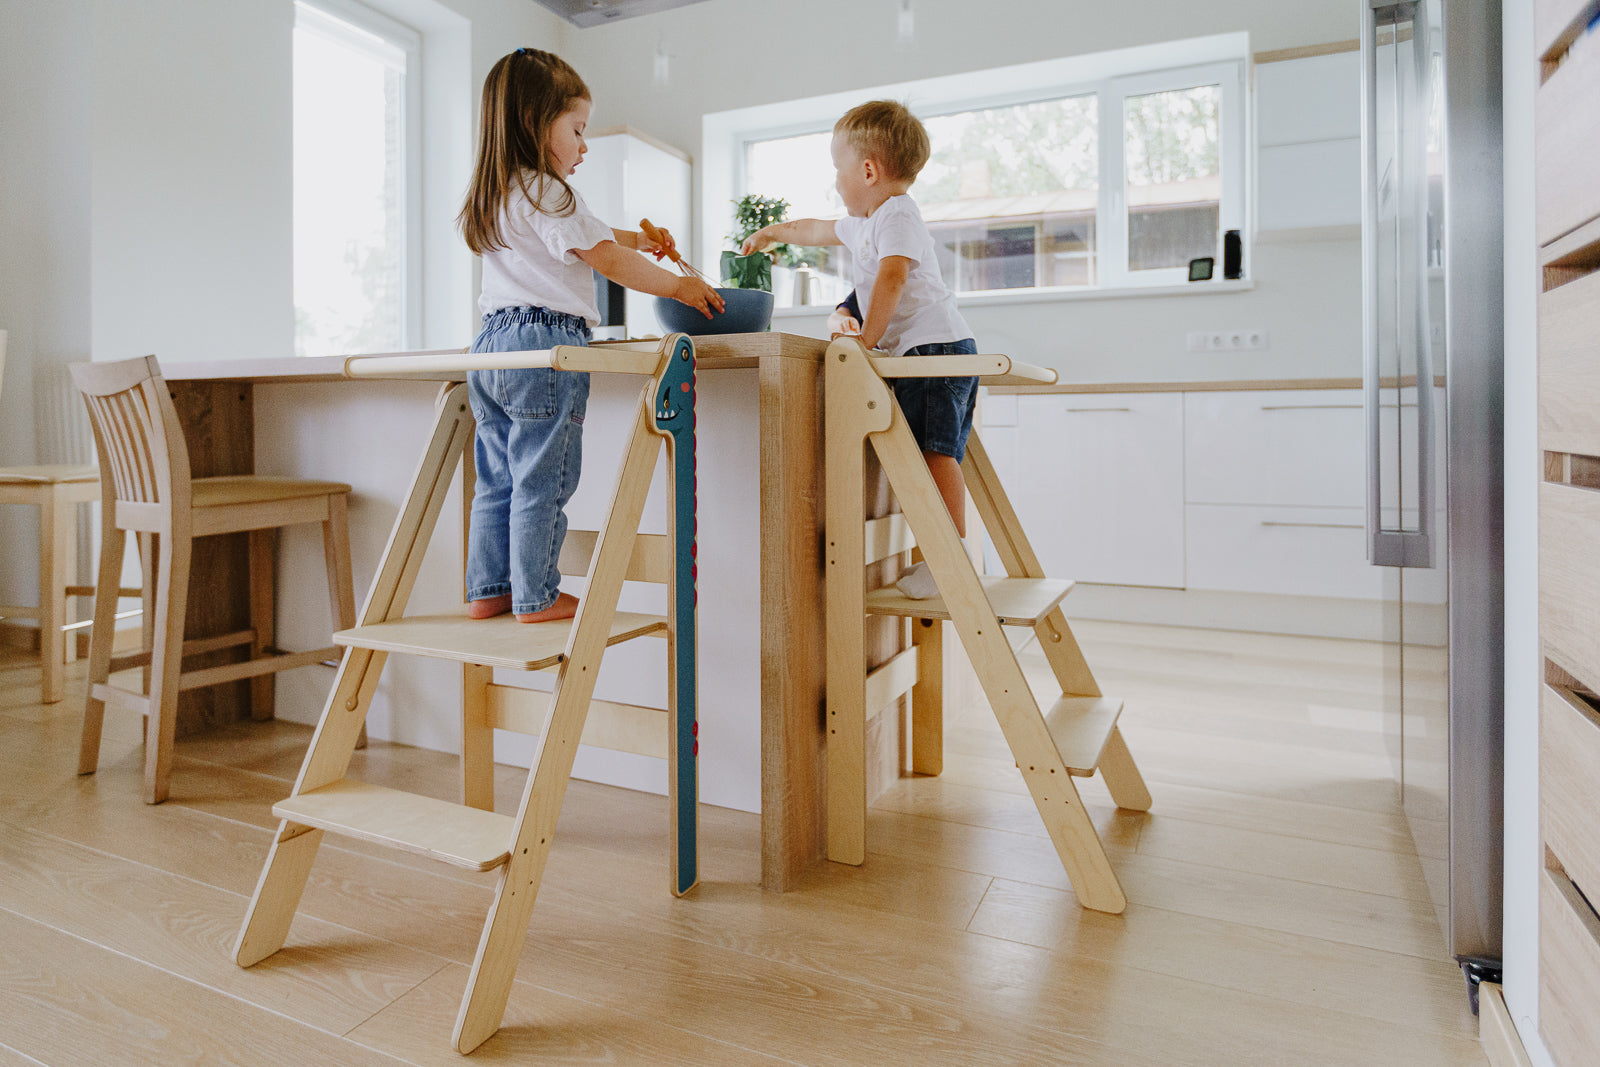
(146, 489)
(1073, 733)
(56, 491)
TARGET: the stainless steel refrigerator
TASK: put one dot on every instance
(1431, 196)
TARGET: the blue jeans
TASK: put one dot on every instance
(939, 410)
(529, 450)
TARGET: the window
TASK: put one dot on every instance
(1110, 181)
(356, 286)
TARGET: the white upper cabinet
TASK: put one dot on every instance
(1308, 142)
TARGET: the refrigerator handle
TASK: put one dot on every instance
(1395, 545)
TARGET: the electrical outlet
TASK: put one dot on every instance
(1226, 340)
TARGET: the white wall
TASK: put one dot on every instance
(1524, 857)
(725, 55)
(737, 53)
(145, 158)
(44, 237)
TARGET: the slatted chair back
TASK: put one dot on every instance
(136, 432)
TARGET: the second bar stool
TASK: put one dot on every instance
(146, 489)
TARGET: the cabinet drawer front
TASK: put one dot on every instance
(1567, 145)
(1569, 971)
(1097, 482)
(1288, 551)
(1298, 448)
(1569, 366)
(1569, 579)
(1569, 789)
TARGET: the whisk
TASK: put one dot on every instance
(655, 235)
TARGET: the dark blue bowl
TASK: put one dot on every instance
(745, 311)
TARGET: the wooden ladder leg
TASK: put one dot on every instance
(166, 658)
(283, 878)
(102, 636)
(505, 929)
(1122, 774)
(263, 618)
(849, 416)
(1077, 843)
(927, 697)
(1055, 636)
(477, 738)
(341, 581)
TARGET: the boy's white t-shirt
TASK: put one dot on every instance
(927, 311)
(537, 267)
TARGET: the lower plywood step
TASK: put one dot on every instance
(462, 836)
(1080, 727)
(1016, 601)
(498, 642)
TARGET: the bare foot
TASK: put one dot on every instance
(565, 607)
(489, 607)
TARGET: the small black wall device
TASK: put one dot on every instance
(1232, 255)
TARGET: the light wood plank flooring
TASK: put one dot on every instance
(1277, 912)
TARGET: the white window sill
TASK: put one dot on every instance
(1002, 297)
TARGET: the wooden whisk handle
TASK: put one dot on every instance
(655, 235)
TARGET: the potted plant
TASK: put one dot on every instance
(750, 213)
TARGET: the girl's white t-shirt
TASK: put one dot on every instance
(927, 311)
(538, 266)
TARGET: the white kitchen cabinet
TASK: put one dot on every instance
(1097, 480)
(1275, 487)
(1296, 447)
(628, 176)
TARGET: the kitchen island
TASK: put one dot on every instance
(760, 564)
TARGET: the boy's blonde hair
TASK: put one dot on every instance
(887, 131)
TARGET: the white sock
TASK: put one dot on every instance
(917, 583)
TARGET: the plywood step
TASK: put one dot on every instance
(462, 836)
(1080, 727)
(1016, 601)
(498, 642)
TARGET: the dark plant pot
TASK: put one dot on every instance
(746, 311)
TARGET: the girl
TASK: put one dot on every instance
(538, 241)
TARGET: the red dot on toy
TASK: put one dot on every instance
(697, 748)
(694, 728)
(684, 386)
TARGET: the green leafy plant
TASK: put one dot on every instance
(751, 213)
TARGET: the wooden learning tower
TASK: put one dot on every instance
(472, 834)
(1070, 733)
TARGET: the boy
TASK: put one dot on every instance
(878, 149)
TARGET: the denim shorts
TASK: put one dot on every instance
(939, 410)
(529, 452)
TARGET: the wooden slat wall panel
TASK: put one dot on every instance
(1567, 143)
(1569, 579)
(1569, 366)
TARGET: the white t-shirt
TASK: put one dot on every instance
(537, 267)
(927, 311)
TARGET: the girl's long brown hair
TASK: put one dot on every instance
(523, 95)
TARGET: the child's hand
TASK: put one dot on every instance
(658, 242)
(759, 241)
(842, 324)
(697, 294)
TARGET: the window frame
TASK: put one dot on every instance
(1220, 60)
(331, 17)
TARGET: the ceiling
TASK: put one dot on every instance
(600, 12)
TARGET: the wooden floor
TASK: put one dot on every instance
(1277, 912)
